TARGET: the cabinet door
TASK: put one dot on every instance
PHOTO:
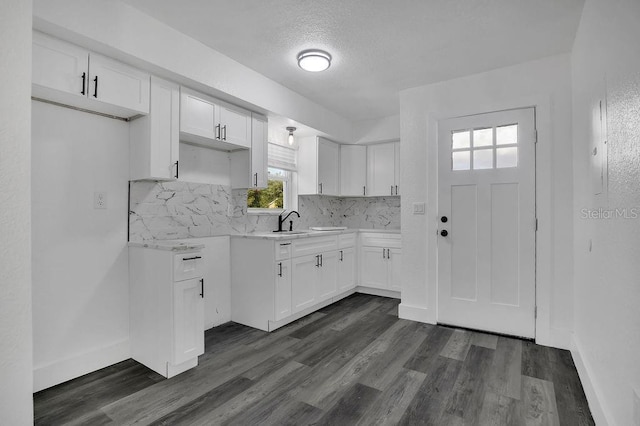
(381, 169)
(395, 269)
(304, 275)
(155, 138)
(328, 167)
(259, 145)
(59, 66)
(346, 269)
(353, 170)
(197, 115)
(374, 269)
(327, 285)
(118, 84)
(397, 167)
(235, 125)
(188, 320)
(283, 289)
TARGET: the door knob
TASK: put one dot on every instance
(444, 219)
(444, 233)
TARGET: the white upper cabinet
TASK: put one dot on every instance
(249, 168)
(70, 75)
(353, 170)
(383, 169)
(319, 167)
(212, 123)
(154, 139)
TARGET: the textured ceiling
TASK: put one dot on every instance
(379, 46)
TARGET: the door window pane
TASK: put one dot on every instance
(483, 137)
(483, 159)
(506, 157)
(461, 139)
(507, 135)
(461, 160)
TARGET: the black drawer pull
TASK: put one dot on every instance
(192, 258)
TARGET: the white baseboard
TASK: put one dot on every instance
(378, 292)
(70, 368)
(594, 397)
(415, 313)
(555, 337)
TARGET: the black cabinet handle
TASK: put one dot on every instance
(384, 253)
(255, 176)
(317, 260)
(192, 258)
(391, 189)
(285, 244)
(218, 132)
(95, 91)
(320, 260)
(341, 256)
(84, 82)
(396, 189)
(280, 269)
(388, 253)
(320, 187)
(224, 129)
(177, 170)
(364, 190)
(202, 287)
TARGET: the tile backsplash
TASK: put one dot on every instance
(172, 210)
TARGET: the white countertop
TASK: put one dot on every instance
(308, 233)
(169, 245)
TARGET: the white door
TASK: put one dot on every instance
(327, 284)
(328, 167)
(188, 320)
(353, 170)
(118, 84)
(235, 125)
(164, 130)
(381, 169)
(347, 269)
(283, 289)
(198, 115)
(486, 203)
(394, 258)
(304, 276)
(259, 159)
(374, 268)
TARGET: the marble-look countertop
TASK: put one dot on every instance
(308, 234)
(169, 245)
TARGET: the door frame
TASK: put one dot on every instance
(535, 204)
(545, 334)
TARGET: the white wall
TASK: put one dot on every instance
(80, 265)
(16, 384)
(383, 129)
(119, 30)
(607, 277)
(545, 84)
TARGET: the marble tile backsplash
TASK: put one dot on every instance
(172, 210)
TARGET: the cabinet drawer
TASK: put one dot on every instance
(283, 250)
(314, 245)
(381, 240)
(346, 240)
(187, 266)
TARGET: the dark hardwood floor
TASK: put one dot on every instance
(353, 362)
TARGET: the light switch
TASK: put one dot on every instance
(418, 208)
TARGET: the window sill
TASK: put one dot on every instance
(265, 212)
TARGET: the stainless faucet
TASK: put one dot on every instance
(282, 219)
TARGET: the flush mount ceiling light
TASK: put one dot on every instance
(314, 60)
(290, 137)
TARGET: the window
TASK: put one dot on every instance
(280, 192)
(485, 148)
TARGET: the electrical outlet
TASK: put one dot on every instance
(100, 200)
(418, 208)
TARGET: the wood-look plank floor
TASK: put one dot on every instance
(351, 363)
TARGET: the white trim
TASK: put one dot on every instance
(555, 337)
(600, 413)
(88, 362)
(378, 292)
(416, 313)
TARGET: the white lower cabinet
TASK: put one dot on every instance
(307, 274)
(346, 269)
(166, 308)
(381, 261)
